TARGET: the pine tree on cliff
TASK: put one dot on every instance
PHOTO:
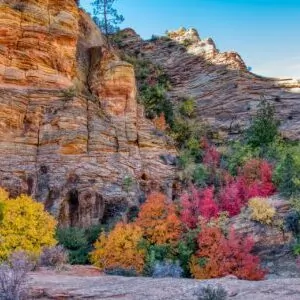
(106, 17)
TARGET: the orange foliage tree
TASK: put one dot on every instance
(219, 256)
(120, 249)
(158, 220)
(160, 122)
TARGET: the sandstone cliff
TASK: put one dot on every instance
(71, 132)
(227, 94)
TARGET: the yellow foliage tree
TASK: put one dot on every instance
(261, 210)
(159, 221)
(120, 249)
(24, 226)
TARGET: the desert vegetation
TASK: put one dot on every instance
(188, 236)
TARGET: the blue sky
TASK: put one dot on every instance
(264, 32)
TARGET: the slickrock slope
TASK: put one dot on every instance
(59, 286)
(71, 132)
(226, 93)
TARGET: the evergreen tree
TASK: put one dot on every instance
(106, 17)
(264, 126)
(287, 177)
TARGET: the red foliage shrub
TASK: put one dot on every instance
(219, 256)
(255, 180)
(198, 203)
(212, 157)
(232, 198)
(257, 177)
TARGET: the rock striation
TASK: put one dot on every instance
(226, 93)
(71, 132)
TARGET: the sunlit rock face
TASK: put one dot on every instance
(226, 93)
(71, 132)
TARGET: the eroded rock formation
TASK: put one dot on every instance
(227, 94)
(71, 132)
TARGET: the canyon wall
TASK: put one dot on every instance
(226, 93)
(71, 132)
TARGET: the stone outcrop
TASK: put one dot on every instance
(270, 240)
(227, 94)
(71, 132)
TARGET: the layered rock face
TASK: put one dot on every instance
(227, 94)
(71, 132)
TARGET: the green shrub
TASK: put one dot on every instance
(237, 155)
(287, 174)
(193, 145)
(291, 222)
(78, 242)
(187, 165)
(186, 248)
(92, 233)
(200, 175)
(188, 107)
(153, 84)
(184, 130)
(72, 238)
(296, 247)
(154, 254)
(155, 101)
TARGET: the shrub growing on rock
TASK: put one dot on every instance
(188, 107)
(261, 210)
(210, 292)
(120, 249)
(25, 226)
